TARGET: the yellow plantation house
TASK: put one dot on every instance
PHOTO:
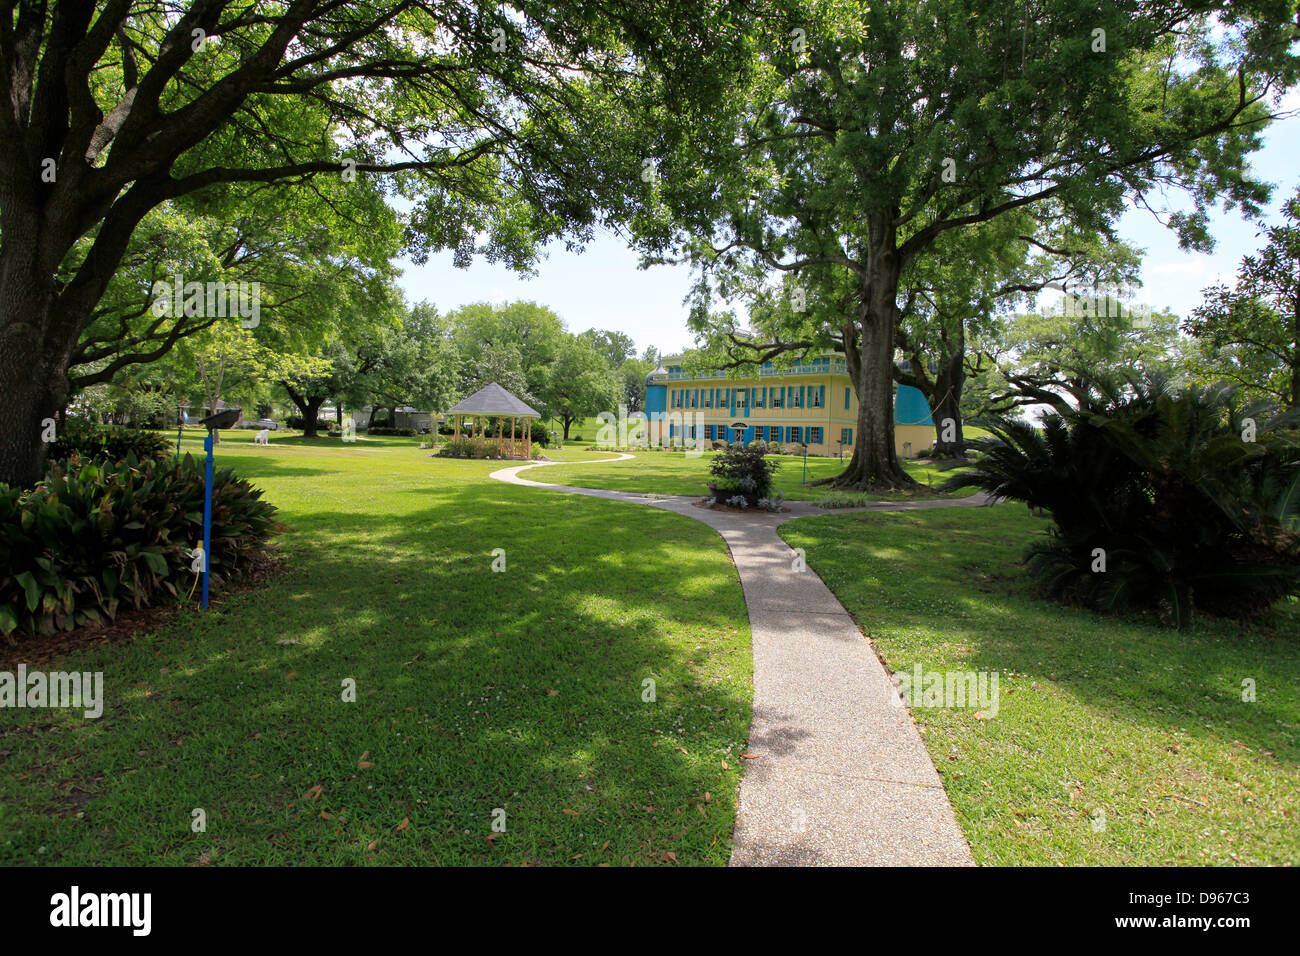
(811, 402)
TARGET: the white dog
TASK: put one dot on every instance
(263, 437)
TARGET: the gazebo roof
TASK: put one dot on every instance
(493, 400)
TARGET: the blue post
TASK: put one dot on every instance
(207, 518)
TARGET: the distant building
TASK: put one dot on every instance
(403, 417)
(408, 417)
(811, 402)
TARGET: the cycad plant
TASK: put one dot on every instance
(1161, 499)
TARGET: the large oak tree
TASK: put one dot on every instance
(875, 128)
(482, 113)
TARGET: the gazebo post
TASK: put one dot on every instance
(493, 401)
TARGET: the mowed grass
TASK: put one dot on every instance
(675, 473)
(1116, 742)
(524, 691)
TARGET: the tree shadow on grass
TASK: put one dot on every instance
(477, 691)
(959, 573)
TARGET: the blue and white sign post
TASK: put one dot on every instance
(213, 422)
(207, 517)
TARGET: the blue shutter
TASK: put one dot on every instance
(847, 389)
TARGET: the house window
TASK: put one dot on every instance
(742, 397)
(814, 435)
(778, 397)
(795, 432)
(759, 400)
(815, 396)
(796, 397)
(846, 436)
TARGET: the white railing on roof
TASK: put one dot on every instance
(826, 369)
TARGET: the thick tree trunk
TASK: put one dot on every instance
(869, 353)
(33, 380)
(308, 407)
(947, 406)
(310, 414)
(567, 422)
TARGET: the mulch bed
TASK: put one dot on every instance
(32, 649)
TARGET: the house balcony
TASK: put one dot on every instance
(832, 368)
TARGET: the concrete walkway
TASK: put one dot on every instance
(838, 775)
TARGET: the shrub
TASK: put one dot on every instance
(1160, 501)
(470, 448)
(106, 442)
(747, 470)
(392, 432)
(96, 535)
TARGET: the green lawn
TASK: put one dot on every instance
(522, 690)
(673, 473)
(1121, 724)
(476, 690)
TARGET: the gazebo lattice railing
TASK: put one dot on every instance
(494, 402)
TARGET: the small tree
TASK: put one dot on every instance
(580, 383)
(1255, 328)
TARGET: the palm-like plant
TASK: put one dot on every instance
(1160, 499)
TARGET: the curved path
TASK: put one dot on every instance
(838, 775)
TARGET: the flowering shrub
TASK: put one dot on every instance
(747, 471)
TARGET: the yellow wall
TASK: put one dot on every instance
(831, 418)
(909, 440)
(920, 437)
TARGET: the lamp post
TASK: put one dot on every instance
(213, 423)
(805, 463)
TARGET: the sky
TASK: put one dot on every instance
(603, 287)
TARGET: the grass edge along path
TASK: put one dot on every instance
(523, 691)
(837, 773)
(1116, 741)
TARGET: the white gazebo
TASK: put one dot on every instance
(493, 401)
